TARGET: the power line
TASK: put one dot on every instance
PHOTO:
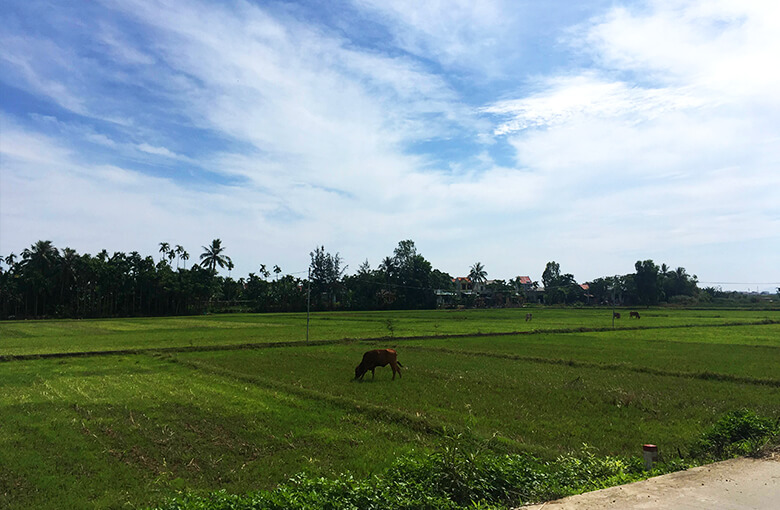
(742, 283)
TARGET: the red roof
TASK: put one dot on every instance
(524, 280)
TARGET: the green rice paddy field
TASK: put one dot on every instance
(126, 412)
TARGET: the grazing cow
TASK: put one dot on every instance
(615, 315)
(631, 315)
(528, 317)
(378, 358)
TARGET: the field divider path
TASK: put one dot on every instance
(349, 340)
(166, 350)
(707, 376)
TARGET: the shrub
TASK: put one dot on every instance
(737, 433)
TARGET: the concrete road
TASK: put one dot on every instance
(737, 484)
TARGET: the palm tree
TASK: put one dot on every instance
(478, 273)
(184, 257)
(277, 270)
(212, 256)
(164, 249)
(178, 250)
(39, 262)
(68, 272)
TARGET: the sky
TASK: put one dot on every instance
(511, 133)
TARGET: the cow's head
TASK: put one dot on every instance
(359, 371)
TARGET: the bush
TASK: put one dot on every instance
(458, 477)
(737, 433)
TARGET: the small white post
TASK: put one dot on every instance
(650, 452)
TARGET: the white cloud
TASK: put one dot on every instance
(668, 142)
(456, 33)
(727, 46)
(570, 98)
(159, 151)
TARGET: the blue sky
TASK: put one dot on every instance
(512, 133)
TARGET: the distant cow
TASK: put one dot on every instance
(615, 315)
(528, 317)
(378, 358)
(631, 315)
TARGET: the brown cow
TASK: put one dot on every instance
(615, 315)
(631, 315)
(378, 358)
(528, 317)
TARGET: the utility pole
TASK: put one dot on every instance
(308, 303)
(614, 284)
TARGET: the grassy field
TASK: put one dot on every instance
(241, 402)
(40, 337)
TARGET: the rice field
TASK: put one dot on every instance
(127, 412)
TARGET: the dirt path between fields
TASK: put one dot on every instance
(737, 484)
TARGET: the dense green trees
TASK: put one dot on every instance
(560, 288)
(325, 272)
(404, 280)
(649, 285)
(48, 282)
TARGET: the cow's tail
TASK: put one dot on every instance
(398, 363)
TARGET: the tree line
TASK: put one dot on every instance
(649, 285)
(48, 282)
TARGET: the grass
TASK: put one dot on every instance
(42, 337)
(736, 351)
(133, 429)
(539, 407)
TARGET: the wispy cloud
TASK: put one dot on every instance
(571, 98)
(508, 133)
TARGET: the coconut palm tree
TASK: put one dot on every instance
(164, 249)
(478, 273)
(213, 257)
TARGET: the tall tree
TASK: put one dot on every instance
(39, 264)
(647, 282)
(212, 256)
(552, 272)
(477, 273)
(164, 249)
(326, 272)
(178, 250)
(410, 278)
